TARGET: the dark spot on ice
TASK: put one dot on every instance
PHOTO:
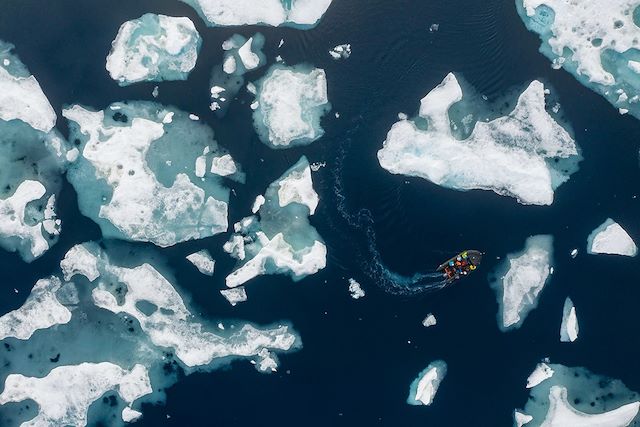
(132, 172)
(55, 359)
(618, 24)
(30, 356)
(119, 117)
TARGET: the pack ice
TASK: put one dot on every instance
(143, 173)
(279, 239)
(33, 157)
(154, 48)
(111, 325)
(525, 154)
(598, 45)
(576, 397)
(424, 388)
(290, 103)
(611, 238)
(519, 280)
(299, 13)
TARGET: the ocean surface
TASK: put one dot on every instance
(360, 356)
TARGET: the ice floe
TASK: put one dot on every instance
(234, 295)
(611, 238)
(525, 154)
(355, 289)
(520, 279)
(279, 239)
(137, 175)
(203, 262)
(424, 388)
(299, 13)
(342, 51)
(599, 46)
(539, 374)
(291, 102)
(569, 328)
(577, 397)
(154, 48)
(429, 320)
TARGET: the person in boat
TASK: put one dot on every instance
(461, 265)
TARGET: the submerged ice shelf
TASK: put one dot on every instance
(424, 388)
(154, 48)
(598, 45)
(611, 238)
(525, 154)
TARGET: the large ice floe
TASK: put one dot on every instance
(33, 157)
(519, 280)
(296, 13)
(598, 45)
(424, 388)
(241, 55)
(290, 103)
(576, 397)
(117, 330)
(143, 173)
(154, 48)
(279, 239)
(611, 238)
(525, 154)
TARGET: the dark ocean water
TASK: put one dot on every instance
(359, 357)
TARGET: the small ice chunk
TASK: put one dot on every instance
(251, 88)
(155, 92)
(223, 165)
(235, 295)
(569, 328)
(194, 117)
(297, 187)
(257, 203)
(434, 27)
(250, 60)
(541, 373)
(342, 51)
(521, 418)
(574, 253)
(423, 389)
(130, 415)
(203, 261)
(611, 238)
(355, 289)
(229, 65)
(429, 321)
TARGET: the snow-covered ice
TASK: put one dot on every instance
(424, 388)
(569, 328)
(203, 261)
(520, 279)
(355, 289)
(525, 154)
(611, 238)
(291, 102)
(154, 48)
(234, 295)
(539, 374)
(429, 320)
(342, 51)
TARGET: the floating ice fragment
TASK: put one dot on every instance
(355, 289)
(434, 27)
(203, 261)
(423, 389)
(342, 51)
(525, 154)
(223, 165)
(234, 295)
(130, 415)
(541, 373)
(569, 328)
(520, 279)
(521, 418)
(574, 253)
(257, 203)
(429, 321)
(611, 238)
(292, 101)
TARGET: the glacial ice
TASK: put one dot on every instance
(234, 295)
(280, 239)
(138, 175)
(299, 13)
(525, 154)
(598, 45)
(355, 289)
(520, 279)
(203, 261)
(154, 48)
(424, 388)
(569, 328)
(241, 55)
(577, 397)
(291, 102)
(611, 238)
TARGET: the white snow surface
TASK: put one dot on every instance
(257, 203)
(521, 418)
(64, 395)
(569, 328)
(298, 187)
(355, 289)
(203, 261)
(611, 238)
(429, 320)
(541, 373)
(234, 295)
(223, 165)
(507, 155)
(423, 390)
(78, 260)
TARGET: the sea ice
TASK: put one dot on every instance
(598, 45)
(280, 239)
(291, 102)
(569, 328)
(525, 154)
(577, 397)
(423, 389)
(299, 13)
(539, 374)
(234, 295)
(355, 289)
(611, 238)
(203, 261)
(137, 175)
(154, 48)
(429, 321)
(520, 279)
(342, 51)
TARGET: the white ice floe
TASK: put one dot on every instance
(41, 310)
(130, 415)
(525, 154)
(65, 394)
(611, 238)
(574, 253)
(355, 289)
(299, 13)
(223, 165)
(521, 418)
(569, 328)
(291, 101)
(541, 373)
(429, 321)
(154, 48)
(423, 389)
(78, 260)
(234, 295)
(203, 261)
(342, 51)
(520, 279)
(257, 203)
(279, 239)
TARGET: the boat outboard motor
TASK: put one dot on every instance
(475, 257)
